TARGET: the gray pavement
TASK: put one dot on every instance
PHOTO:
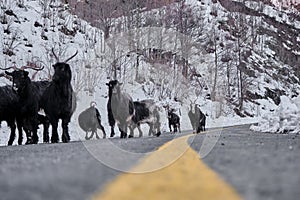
(62, 171)
(258, 165)
(261, 166)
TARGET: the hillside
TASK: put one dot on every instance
(254, 44)
(236, 59)
(249, 50)
(30, 29)
(246, 53)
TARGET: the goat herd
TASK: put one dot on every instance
(20, 105)
(131, 114)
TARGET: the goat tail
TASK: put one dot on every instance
(129, 118)
(93, 104)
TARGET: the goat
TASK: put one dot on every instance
(90, 120)
(9, 111)
(28, 103)
(111, 119)
(58, 100)
(120, 107)
(145, 112)
(173, 120)
(39, 88)
(197, 118)
(30, 93)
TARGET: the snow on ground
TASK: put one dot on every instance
(285, 118)
(77, 134)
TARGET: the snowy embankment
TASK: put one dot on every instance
(285, 118)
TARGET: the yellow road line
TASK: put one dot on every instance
(187, 178)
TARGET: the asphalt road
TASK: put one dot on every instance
(261, 166)
(257, 165)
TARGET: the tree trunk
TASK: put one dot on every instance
(215, 78)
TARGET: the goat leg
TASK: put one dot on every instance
(157, 127)
(35, 137)
(54, 136)
(174, 128)
(97, 136)
(112, 133)
(20, 130)
(151, 132)
(46, 133)
(34, 128)
(170, 127)
(86, 135)
(123, 130)
(45, 122)
(92, 134)
(28, 136)
(158, 134)
(198, 129)
(65, 134)
(12, 133)
(131, 128)
(103, 131)
(140, 131)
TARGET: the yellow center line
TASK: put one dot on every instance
(186, 177)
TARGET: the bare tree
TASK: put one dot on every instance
(11, 42)
(104, 16)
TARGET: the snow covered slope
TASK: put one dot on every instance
(31, 28)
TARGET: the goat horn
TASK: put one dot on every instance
(7, 68)
(34, 68)
(71, 56)
(6, 76)
(57, 60)
(191, 102)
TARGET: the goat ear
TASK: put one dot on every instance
(8, 73)
(26, 73)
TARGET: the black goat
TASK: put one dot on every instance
(145, 112)
(90, 120)
(39, 88)
(197, 118)
(9, 111)
(11, 94)
(120, 108)
(111, 119)
(28, 103)
(58, 100)
(174, 120)
(29, 93)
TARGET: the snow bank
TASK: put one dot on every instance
(285, 118)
